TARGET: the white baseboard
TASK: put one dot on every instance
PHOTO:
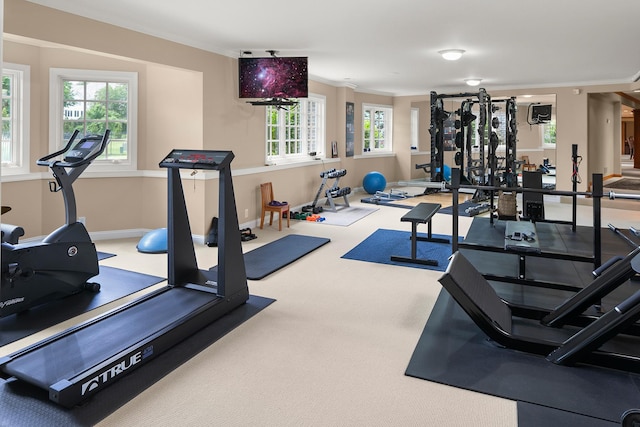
(137, 233)
(118, 234)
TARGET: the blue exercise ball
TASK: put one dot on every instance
(154, 242)
(374, 181)
(447, 173)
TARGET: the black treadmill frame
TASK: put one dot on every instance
(228, 289)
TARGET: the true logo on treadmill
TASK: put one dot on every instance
(109, 374)
(12, 301)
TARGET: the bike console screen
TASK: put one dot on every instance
(83, 149)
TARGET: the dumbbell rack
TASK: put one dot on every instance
(332, 192)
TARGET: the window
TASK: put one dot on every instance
(92, 102)
(549, 134)
(15, 119)
(376, 128)
(294, 133)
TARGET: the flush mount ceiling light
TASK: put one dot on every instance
(472, 82)
(451, 54)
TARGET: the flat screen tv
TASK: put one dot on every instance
(273, 77)
(540, 113)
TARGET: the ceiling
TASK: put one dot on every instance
(391, 47)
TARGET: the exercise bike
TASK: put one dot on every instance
(60, 265)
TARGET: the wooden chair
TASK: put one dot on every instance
(267, 197)
(526, 166)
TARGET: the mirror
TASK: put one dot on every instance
(536, 137)
(536, 134)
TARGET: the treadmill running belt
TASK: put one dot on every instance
(87, 347)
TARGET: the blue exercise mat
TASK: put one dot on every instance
(382, 244)
(271, 257)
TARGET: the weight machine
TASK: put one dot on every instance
(502, 169)
(458, 133)
(485, 167)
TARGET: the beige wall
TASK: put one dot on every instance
(604, 132)
(188, 99)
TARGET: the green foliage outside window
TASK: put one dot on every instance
(6, 108)
(550, 133)
(94, 107)
(8, 153)
(373, 139)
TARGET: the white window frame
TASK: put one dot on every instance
(544, 130)
(388, 128)
(57, 76)
(303, 132)
(20, 100)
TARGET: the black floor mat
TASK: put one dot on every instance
(104, 255)
(115, 283)
(452, 350)
(624, 184)
(530, 415)
(465, 208)
(24, 405)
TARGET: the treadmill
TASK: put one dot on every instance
(75, 364)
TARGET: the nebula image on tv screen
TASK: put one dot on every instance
(273, 77)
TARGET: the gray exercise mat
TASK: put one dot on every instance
(275, 255)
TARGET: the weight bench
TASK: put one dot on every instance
(421, 214)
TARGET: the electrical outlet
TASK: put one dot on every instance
(82, 220)
(246, 213)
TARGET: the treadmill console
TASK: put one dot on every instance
(197, 159)
(83, 149)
